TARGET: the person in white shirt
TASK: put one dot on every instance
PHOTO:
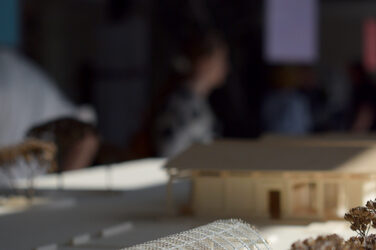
(27, 97)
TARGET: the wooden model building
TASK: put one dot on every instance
(297, 179)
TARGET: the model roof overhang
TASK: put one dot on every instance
(295, 156)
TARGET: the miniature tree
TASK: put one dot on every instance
(26, 160)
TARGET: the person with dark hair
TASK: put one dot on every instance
(77, 142)
(186, 117)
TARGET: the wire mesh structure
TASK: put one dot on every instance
(222, 234)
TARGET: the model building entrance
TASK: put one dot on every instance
(275, 204)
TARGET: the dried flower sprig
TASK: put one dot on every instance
(35, 154)
(360, 243)
(332, 241)
(44, 152)
(361, 219)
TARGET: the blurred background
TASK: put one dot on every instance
(287, 67)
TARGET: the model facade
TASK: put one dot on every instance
(313, 180)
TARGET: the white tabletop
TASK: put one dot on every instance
(138, 198)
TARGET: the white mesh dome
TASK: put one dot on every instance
(222, 234)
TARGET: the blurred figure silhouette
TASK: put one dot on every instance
(120, 65)
(27, 97)
(285, 109)
(364, 100)
(186, 116)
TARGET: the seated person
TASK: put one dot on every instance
(364, 100)
(186, 117)
(285, 109)
(27, 97)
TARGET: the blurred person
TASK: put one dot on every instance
(364, 99)
(121, 69)
(186, 117)
(285, 109)
(28, 97)
(333, 100)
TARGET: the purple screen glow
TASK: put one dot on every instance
(291, 31)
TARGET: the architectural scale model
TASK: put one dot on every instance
(223, 234)
(289, 179)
